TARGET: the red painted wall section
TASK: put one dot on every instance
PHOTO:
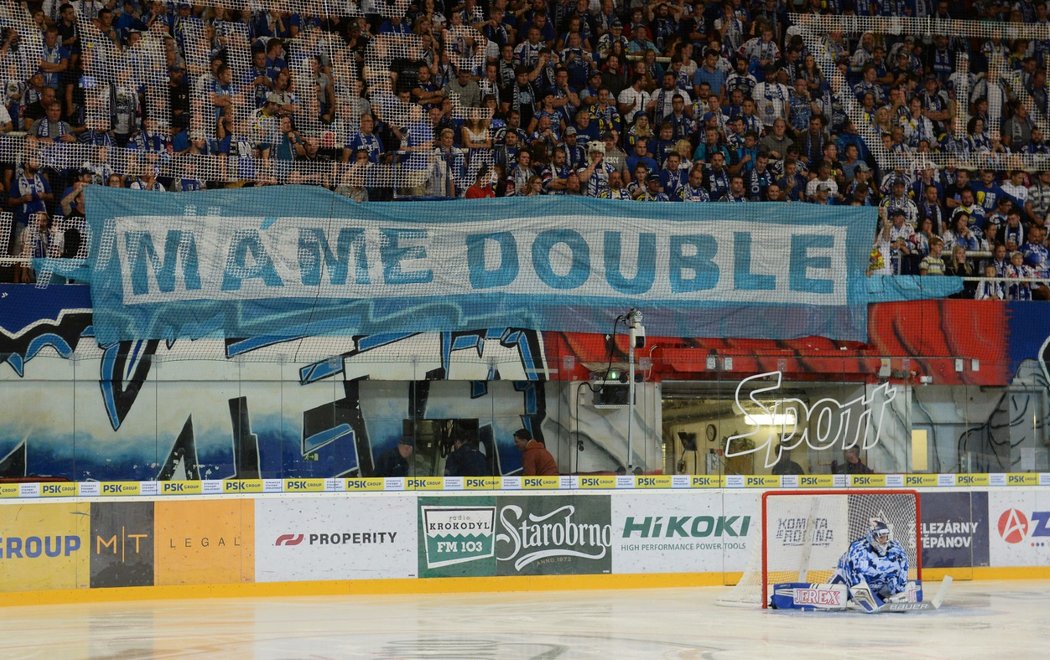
(919, 339)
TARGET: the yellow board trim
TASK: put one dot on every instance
(403, 586)
(988, 573)
(372, 587)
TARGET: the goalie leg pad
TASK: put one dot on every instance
(808, 597)
(863, 597)
(912, 593)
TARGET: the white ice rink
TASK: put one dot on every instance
(979, 620)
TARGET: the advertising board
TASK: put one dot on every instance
(693, 531)
(204, 541)
(44, 546)
(515, 535)
(324, 538)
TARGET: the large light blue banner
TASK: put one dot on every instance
(293, 261)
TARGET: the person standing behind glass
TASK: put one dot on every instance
(465, 460)
(784, 464)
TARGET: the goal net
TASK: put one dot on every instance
(804, 532)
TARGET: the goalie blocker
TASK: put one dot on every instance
(837, 597)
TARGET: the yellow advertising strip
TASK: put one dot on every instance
(365, 484)
(425, 483)
(1022, 479)
(816, 481)
(920, 480)
(181, 488)
(242, 486)
(606, 481)
(871, 480)
(972, 479)
(707, 481)
(482, 483)
(762, 481)
(119, 488)
(652, 481)
(64, 489)
(542, 483)
(588, 482)
(304, 485)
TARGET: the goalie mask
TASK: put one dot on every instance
(879, 537)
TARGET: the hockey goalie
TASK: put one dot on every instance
(875, 561)
(871, 576)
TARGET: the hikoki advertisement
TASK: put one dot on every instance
(696, 532)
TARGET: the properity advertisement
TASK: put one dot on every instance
(322, 538)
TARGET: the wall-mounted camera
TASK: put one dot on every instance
(635, 328)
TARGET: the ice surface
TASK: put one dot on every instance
(978, 620)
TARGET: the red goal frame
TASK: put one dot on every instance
(841, 491)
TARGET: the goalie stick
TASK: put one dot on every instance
(934, 604)
(862, 596)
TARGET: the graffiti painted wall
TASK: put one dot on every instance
(974, 374)
(214, 409)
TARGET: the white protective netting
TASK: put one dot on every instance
(998, 85)
(374, 78)
(125, 88)
(804, 533)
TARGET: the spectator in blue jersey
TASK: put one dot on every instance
(149, 139)
(712, 142)
(148, 180)
(641, 156)
(54, 60)
(673, 178)
(129, 19)
(737, 190)
(987, 191)
(1037, 258)
(221, 93)
(418, 143)
(759, 178)
(30, 193)
(188, 181)
(556, 176)
(366, 139)
(594, 178)
(72, 200)
(275, 61)
(258, 79)
(710, 73)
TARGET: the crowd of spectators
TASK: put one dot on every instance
(665, 101)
